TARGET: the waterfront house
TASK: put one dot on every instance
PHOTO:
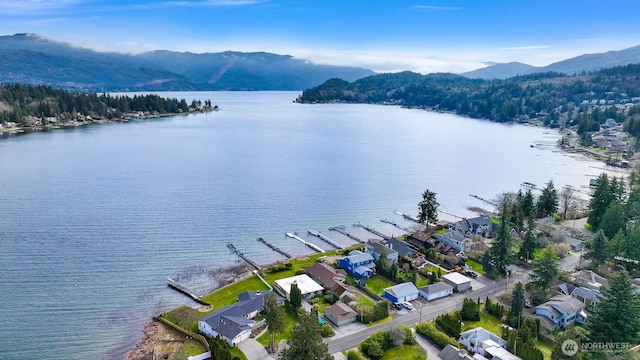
(401, 292)
(340, 313)
(328, 277)
(563, 310)
(456, 241)
(234, 322)
(481, 225)
(436, 291)
(377, 248)
(358, 264)
(307, 286)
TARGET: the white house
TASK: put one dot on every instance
(478, 340)
(459, 282)
(436, 291)
(307, 286)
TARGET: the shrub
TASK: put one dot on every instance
(470, 310)
(429, 330)
(450, 323)
(326, 331)
(300, 272)
(354, 355)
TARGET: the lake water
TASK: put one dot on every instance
(93, 219)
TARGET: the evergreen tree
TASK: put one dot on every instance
(613, 219)
(570, 333)
(547, 204)
(616, 245)
(545, 269)
(527, 204)
(517, 299)
(295, 296)
(274, 316)
(306, 342)
(428, 208)
(598, 251)
(599, 201)
(528, 246)
(499, 255)
(617, 316)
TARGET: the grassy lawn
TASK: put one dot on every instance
(433, 269)
(410, 352)
(235, 352)
(229, 294)
(291, 320)
(377, 284)
(185, 317)
(422, 281)
(190, 348)
(545, 348)
(476, 266)
(486, 321)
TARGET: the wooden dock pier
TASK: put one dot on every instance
(342, 231)
(326, 239)
(373, 231)
(241, 255)
(275, 248)
(401, 227)
(484, 200)
(314, 247)
(174, 285)
(408, 217)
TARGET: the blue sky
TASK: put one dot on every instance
(383, 35)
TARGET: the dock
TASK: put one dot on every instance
(275, 248)
(408, 217)
(342, 231)
(241, 255)
(451, 214)
(401, 227)
(326, 239)
(484, 200)
(373, 231)
(314, 247)
(174, 285)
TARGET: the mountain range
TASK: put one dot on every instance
(34, 60)
(586, 62)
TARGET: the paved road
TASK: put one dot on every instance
(428, 311)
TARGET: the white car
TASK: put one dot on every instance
(407, 305)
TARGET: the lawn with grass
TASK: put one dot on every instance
(235, 352)
(229, 294)
(377, 284)
(476, 266)
(291, 319)
(190, 348)
(410, 352)
(487, 321)
(545, 348)
(185, 317)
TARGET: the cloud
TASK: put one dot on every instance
(33, 7)
(532, 47)
(435, 8)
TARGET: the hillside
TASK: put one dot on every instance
(33, 60)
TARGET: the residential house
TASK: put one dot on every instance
(481, 225)
(590, 297)
(576, 244)
(436, 291)
(234, 322)
(563, 310)
(401, 292)
(478, 340)
(340, 313)
(451, 352)
(456, 240)
(459, 282)
(377, 248)
(307, 286)
(328, 277)
(358, 264)
(422, 239)
(590, 279)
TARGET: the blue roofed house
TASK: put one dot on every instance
(563, 310)
(358, 264)
(234, 322)
(401, 292)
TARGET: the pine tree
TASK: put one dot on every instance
(527, 204)
(598, 252)
(547, 204)
(571, 333)
(528, 246)
(545, 269)
(613, 219)
(274, 316)
(499, 255)
(428, 208)
(306, 342)
(517, 299)
(295, 296)
(617, 316)
(599, 201)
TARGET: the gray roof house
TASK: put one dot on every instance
(576, 244)
(481, 225)
(451, 352)
(563, 310)
(233, 322)
(590, 297)
(435, 291)
(376, 248)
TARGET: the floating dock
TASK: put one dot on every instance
(401, 227)
(241, 255)
(314, 247)
(342, 231)
(174, 285)
(275, 248)
(326, 239)
(373, 231)
(408, 217)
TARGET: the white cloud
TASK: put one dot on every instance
(33, 7)
(530, 47)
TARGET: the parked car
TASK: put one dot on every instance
(407, 305)
(396, 306)
(471, 274)
(527, 304)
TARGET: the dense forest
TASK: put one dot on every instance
(42, 105)
(555, 98)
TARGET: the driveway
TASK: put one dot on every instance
(254, 350)
(431, 350)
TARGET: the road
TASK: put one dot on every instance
(428, 311)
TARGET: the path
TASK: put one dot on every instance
(254, 350)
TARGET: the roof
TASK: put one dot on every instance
(500, 353)
(591, 278)
(379, 247)
(456, 278)
(227, 321)
(402, 290)
(435, 288)
(357, 256)
(340, 311)
(565, 303)
(572, 241)
(451, 352)
(325, 275)
(586, 293)
(566, 288)
(304, 282)
(480, 335)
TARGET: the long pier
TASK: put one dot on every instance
(408, 217)
(451, 214)
(314, 247)
(275, 248)
(342, 231)
(326, 239)
(174, 285)
(483, 199)
(401, 227)
(373, 231)
(241, 255)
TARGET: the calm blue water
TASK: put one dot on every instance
(93, 219)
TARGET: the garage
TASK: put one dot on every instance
(401, 292)
(459, 282)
